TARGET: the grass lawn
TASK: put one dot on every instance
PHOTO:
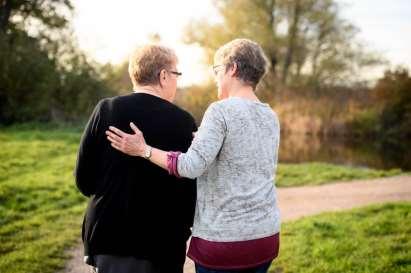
(41, 210)
(375, 239)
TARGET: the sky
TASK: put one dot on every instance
(108, 30)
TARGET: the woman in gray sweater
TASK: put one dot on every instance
(234, 158)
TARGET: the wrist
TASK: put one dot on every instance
(148, 152)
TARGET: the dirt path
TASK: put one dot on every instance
(303, 201)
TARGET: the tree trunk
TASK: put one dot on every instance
(272, 17)
(272, 54)
(5, 11)
(292, 36)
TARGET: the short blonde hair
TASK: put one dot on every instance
(252, 63)
(146, 62)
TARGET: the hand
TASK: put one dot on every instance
(134, 145)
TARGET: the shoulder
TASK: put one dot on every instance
(226, 104)
(222, 103)
(110, 104)
(214, 109)
(275, 117)
(219, 106)
(104, 102)
(105, 105)
(100, 105)
(215, 114)
(223, 108)
(277, 122)
(117, 99)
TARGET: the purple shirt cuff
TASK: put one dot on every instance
(172, 161)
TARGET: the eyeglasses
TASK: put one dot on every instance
(178, 74)
(215, 69)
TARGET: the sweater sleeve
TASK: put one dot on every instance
(85, 171)
(205, 146)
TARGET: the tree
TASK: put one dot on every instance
(307, 41)
(393, 97)
(44, 76)
(119, 79)
(389, 113)
(19, 14)
(27, 79)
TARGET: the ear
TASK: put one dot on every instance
(233, 69)
(162, 76)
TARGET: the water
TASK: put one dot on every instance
(296, 148)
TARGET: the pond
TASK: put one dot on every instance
(297, 148)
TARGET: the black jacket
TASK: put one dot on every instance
(135, 208)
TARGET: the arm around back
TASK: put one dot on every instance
(206, 144)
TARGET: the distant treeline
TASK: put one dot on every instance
(357, 111)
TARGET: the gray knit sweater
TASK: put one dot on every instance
(234, 155)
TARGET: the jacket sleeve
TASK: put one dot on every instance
(86, 172)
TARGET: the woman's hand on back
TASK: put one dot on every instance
(131, 144)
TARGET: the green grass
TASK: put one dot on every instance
(321, 173)
(375, 239)
(40, 208)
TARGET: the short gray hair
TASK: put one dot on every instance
(252, 63)
(146, 62)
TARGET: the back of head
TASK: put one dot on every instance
(147, 61)
(251, 61)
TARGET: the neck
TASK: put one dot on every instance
(242, 91)
(148, 90)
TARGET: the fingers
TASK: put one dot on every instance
(131, 144)
(115, 146)
(117, 131)
(135, 129)
(113, 136)
(114, 141)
